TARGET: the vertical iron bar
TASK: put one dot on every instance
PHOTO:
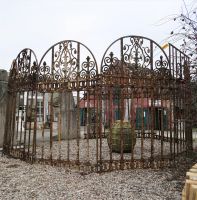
(173, 62)
(152, 122)
(121, 98)
(51, 127)
(100, 128)
(162, 122)
(171, 113)
(183, 116)
(170, 59)
(69, 121)
(110, 118)
(78, 101)
(97, 127)
(152, 109)
(142, 120)
(60, 126)
(35, 125)
(88, 110)
(51, 105)
(133, 124)
(18, 118)
(21, 123)
(25, 126)
(13, 121)
(151, 54)
(30, 117)
(175, 105)
(43, 126)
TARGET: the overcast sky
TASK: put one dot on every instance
(38, 24)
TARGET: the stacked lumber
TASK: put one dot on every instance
(190, 189)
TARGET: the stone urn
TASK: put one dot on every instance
(128, 135)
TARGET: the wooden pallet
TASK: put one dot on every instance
(190, 189)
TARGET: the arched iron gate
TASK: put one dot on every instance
(21, 87)
(133, 114)
(145, 87)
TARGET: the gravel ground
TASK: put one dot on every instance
(105, 150)
(20, 180)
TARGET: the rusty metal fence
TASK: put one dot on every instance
(131, 112)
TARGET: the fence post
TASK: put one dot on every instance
(3, 99)
(188, 108)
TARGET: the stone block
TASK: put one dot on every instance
(69, 116)
(3, 100)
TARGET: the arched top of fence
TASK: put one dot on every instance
(131, 53)
(23, 70)
(67, 60)
(70, 64)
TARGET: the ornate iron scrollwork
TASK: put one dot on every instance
(88, 69)
(110, 62)
(136, 60)
(135, 54)
(24, 70)
(67, 63)
(162, 71)
(44, 73)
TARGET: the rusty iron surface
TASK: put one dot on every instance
(62, 110)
